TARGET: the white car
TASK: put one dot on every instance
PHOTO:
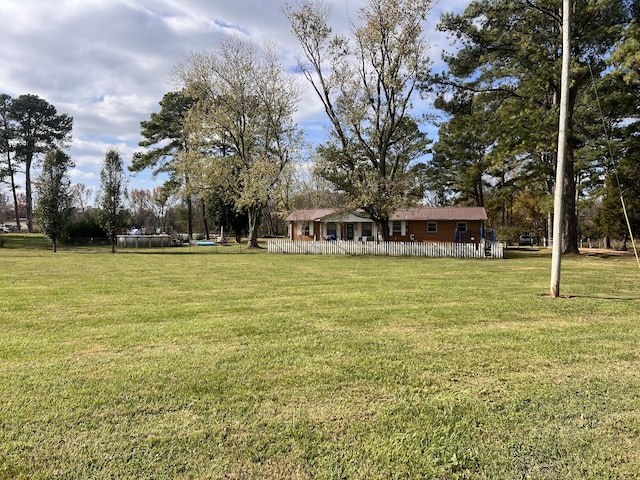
(5, 229)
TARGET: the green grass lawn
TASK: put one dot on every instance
(185, 364)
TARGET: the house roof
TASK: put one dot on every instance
(309, 215)
(417, 213)
(440, 213)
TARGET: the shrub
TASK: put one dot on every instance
(87, 227)
(509, 234)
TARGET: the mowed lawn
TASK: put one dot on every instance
(192, 364)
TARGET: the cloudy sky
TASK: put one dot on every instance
(107, 63)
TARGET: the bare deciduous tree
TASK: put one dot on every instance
(366, 83)
(81, 195)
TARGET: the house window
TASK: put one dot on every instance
(305, 229)
(432, 227)
(397, 228)
(462, 226)
(367, 230)
(332, 229)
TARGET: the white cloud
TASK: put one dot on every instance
(107, 63)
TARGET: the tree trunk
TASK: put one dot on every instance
(570, 220)
(189, 217)
(204, 220)
(254, 216)
(479, 192)
(28, 192)
(14, 191)
(383, 229)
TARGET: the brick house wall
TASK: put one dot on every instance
(445, 231)
(422, 224)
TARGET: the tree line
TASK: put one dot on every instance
(495, 106)
(29, 127)
(228, 138)
(32, 132)
(230, 148)
(501, 95)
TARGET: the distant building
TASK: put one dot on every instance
(12, 225)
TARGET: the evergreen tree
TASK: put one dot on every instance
(618, 97)
(621, 185)
(460, 164)
(510, 57)
(38, 128)
(166, 140)
(7, 151)
(54, 194)
(112, 194)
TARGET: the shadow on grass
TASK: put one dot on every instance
(193, 250)
(595, 297)
(526, 252)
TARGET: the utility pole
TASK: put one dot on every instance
(558, 200)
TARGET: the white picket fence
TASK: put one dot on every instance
(393, 249)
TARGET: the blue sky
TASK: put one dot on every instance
(107, 63)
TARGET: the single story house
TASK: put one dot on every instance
(419, 224)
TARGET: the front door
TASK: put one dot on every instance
(349, 231)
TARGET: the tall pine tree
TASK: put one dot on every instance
(510, 57)
(38, 128)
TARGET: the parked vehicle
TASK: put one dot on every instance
(5, 229)
(525, 240)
